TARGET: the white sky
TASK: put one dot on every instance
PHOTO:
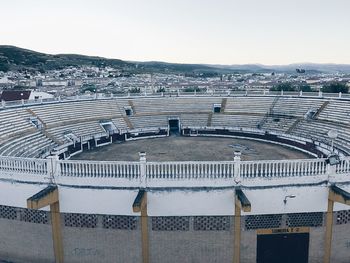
(186, 31)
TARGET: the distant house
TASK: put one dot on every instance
(13, 95)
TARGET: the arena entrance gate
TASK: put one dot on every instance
(289, 245)
(174, 125)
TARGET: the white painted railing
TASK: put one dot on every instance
(343, 166)
(284, 168)
(23, 165)
(247, 93)
(129, 170)
(143, 170)
(189, 170)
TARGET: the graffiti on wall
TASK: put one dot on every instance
(87, 252)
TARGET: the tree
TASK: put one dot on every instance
(192, 89)
(305, 88)
(88, 87)
(283, 86)
(161, 89)
(135, 90)
(335, 87)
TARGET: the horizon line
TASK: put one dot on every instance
(170, 62)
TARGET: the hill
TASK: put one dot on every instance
(15, 58)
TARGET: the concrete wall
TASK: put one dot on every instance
(24, 242)
(341, 244)
(248, 246)
(191, 246)
(101, 245)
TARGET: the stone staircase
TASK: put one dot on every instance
(131, 104)
(223, 105)
(128, 122)
(324, 105)
(294, 125)
(36, 116)
(210, 116)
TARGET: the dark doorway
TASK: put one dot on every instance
(217, 109)
(128, 112)
(286, 248)
(174, 127)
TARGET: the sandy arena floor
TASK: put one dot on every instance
(176, 148)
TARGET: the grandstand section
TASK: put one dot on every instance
(220, 206)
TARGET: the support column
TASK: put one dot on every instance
(144, 230)
(56, 231)
(329, 229)
(339, 195)
(237, 232)
(140, 205)
(241, 203)
(49, 197)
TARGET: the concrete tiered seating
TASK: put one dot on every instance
(120, 123)
(337, 111)
(244, 121)
(295, 106)
(14, 121)
(140, 122)
(278, 124)
(317, 130)
(18, 137)
(259, 105)
(79, 129)
(194, 120)
(52, 114)
(149, 106)
(31, 145)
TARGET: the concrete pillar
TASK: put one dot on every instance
(53, 168)
(237, 166)
(340, 94)
(143, 175)
(3, 103)
(237, 232)
(320, 93)
(331, 169)
(56, 232)
(301, 93)
(144, 231)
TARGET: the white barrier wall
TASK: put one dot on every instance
(175, 188)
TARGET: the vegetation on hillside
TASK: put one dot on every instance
(14, 58)
(335, 87)
(291, 87)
